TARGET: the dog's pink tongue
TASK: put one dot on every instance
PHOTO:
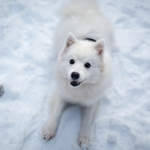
(74, 83)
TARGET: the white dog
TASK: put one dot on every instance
(84, 38)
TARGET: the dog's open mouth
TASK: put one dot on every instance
(75, 83)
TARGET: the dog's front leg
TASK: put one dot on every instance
(85, 136)
(57, 110)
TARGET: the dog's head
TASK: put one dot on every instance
(81, 62)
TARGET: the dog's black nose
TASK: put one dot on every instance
(75, 75)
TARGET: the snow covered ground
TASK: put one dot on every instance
(123, 123)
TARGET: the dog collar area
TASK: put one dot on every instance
(89, 39)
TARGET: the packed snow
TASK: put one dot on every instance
(26, 66)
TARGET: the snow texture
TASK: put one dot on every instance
(26, 64)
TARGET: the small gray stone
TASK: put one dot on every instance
(112, 138)
(1, 90)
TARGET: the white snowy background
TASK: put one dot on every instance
(123, 121)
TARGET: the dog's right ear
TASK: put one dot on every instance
(69, 41)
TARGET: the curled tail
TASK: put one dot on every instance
(78, 7)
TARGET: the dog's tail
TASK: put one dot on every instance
(78, 7)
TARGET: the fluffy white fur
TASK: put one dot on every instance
(80, 20)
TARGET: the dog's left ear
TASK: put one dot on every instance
(100, 46)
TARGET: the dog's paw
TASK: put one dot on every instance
(84, 142)
(48, 134)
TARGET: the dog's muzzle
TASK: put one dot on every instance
(75, 76)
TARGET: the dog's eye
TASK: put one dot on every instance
(87, 65)
(71, 61)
